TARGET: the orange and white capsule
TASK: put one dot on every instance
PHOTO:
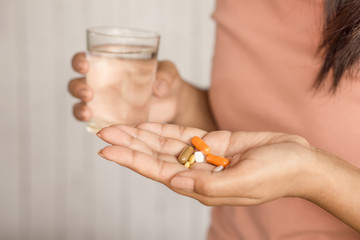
(216, 160)
(218, 168)
(200, 145)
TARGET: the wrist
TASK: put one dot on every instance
(324, 176)
(333, 187)
(300, 176)
(312, 179)
(193, 108)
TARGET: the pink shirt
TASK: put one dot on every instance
(264, 66)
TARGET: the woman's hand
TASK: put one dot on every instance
(264, 166)
(166, 89)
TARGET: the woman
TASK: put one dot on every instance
(275, 69)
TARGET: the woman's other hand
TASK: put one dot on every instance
(166, 89)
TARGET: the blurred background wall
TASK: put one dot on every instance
(52, 183)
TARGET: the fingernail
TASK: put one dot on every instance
(98, 134)
(183, 183)
(100, 154)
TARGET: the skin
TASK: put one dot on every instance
(173, 99)
(263, 165)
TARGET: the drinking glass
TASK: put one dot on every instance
(122, 69)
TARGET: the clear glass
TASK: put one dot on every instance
(122, 70)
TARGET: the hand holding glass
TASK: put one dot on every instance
(123, 65)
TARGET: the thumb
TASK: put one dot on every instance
(202, 182)
(166, 76)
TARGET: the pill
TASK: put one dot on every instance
(192, 159)
(216, 160)
(199, 156)
(218, 168)
(185, 154)
(187, 164)
(200, 145)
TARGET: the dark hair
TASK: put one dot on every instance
(341, 41)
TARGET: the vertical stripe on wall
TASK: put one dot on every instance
(52, 183)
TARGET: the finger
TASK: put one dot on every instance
(225, 184)
(204, 186)
(166, 75)
(154, 141)
(242, 141)
(82, 112)
(144, 164)
(219, 201)
(157, 170)
(116, 136)
(205, 183)
(177, 132)
(298, 139)
(80, 89)
(79, 63)
(218, 141)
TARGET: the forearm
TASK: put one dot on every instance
(194, 109)
(337, 189)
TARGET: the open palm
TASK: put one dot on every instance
(264, 165)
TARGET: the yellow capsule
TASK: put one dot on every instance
(200, 145)
(185, 154)
(192, 159)
(187, 164)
